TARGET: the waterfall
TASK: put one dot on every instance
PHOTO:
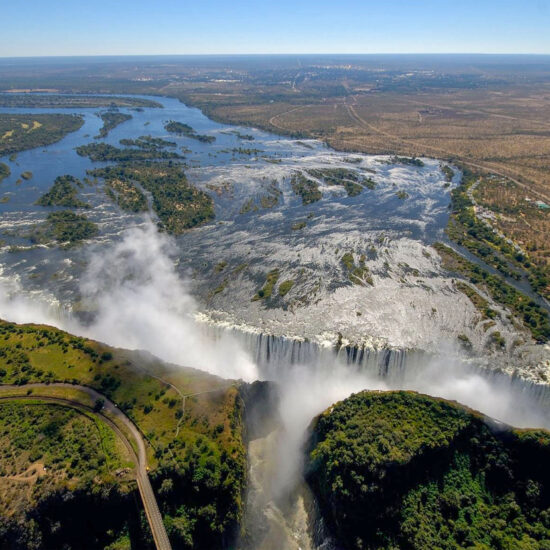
(468, 380)
(311, 376)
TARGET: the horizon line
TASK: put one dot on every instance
(69, 56)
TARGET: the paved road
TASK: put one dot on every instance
(40, 391)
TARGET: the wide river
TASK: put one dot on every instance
(133, 287)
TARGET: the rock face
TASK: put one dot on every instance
(260, 412)
(404, 470)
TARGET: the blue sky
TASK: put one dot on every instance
(117, 27)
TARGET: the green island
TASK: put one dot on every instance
(351, 180)
(267, 290)
(63, 192)
(402, 470)
(104, 152)
(402, 195)
(70, 461)
(4, 171)
(296, 226)
(285, 287)
(244, 137)
(64, 226)
(534, 318)
(410, 161)
(147, 142)
(27, 175)
(55, 101)
(21, 132)
(187, 131)
(448, 172)
(178, 204)
(305, 188)
(111, 119)
(357, 274)
(267, 200)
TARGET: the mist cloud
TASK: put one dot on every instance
(139, 302)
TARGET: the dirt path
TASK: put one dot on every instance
(42, 392)
(31, 474)
(271, 120)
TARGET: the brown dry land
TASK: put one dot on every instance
(503, 131)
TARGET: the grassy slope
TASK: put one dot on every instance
(402, 470)
(198, 475)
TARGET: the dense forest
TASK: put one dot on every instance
(186, 130)
(111, 119)
(63, 192)
(177, 203)
(65, 227)
(403, 470)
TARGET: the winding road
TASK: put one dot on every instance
(43, 392)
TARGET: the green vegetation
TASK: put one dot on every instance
(147, 142)
(4, 171)
(352, 181)
(197, 459)
(186, 130)
(66, 227)
(524, 221)
(533, 316)
(358, 274)
(448, 172)
(109, 153)
(480, 303)
(247, 151)
(49, 452)
(467, 230)
(271, 280)
(220, 266)
(78, 436)
(63, 193)
(21, 132)
(411, 161)
(178, 204)
(266, 201)
(270, 200)
(285, 287)
(402, 195)
(306, 188)
(125, 194)
(111, 119)
(296, 226)
(244, 137)
(52, 101)
(402, 470)
(249, 206)
(26, 175)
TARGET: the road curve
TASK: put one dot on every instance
(146, 491)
